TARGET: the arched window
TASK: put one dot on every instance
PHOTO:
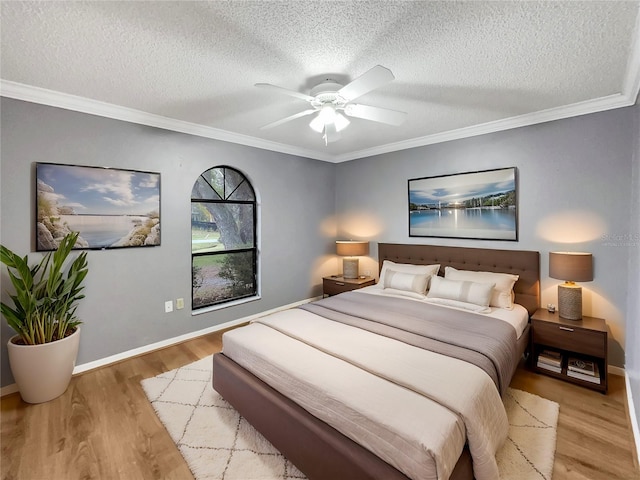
(224, 249)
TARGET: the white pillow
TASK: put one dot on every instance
(403, 293)
(460, 305)
(406, 282)
(502, 296)
(429, 270)
(461, 291)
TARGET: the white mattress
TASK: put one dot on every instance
(518, 318)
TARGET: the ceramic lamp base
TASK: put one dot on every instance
(570, 301)
(350, 267)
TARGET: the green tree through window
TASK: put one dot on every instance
(223, 238)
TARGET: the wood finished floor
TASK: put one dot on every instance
(104, 428)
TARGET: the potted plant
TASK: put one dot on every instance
(43, 353)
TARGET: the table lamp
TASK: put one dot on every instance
(350, 249)
(571, 267)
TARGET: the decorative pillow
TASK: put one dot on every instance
(429, 270)
(461, 291)
(502, 296)
(409, 282)
(461, 305)
(403, 293)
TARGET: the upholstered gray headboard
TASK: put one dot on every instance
(524, 263)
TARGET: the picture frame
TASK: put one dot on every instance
(480, 205)
(109, 207)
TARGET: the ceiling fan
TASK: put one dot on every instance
(329, 99)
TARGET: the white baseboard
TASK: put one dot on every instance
(632, 416)
(13, 388)
(8, 390)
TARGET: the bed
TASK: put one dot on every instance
(292, 410)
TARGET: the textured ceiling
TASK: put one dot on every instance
(461, 68)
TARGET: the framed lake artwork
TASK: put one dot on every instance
(476, 205)
(109, 207)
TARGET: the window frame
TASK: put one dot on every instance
(225, 199)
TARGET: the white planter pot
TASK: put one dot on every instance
(43, 372)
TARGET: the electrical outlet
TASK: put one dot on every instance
(168, 306)
(180, 303)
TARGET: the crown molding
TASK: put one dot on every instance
(576, 109)
(631, 84)
(66, 101)
(29, 93)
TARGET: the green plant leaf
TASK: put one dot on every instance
(45, 299)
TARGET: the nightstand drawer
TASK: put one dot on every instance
(334, 287)
(337, 284)
(575, 339)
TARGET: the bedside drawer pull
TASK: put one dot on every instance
(340, 283)
(566, 328)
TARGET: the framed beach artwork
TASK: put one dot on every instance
(476, 205)
(109, 207)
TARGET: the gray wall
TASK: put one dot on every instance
(633, 316)
(126, 289)
(574, 179)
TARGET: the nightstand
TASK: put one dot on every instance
(584, 340)
(336, 284)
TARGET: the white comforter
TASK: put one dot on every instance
(411, 407)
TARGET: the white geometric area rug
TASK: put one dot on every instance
(218, 444)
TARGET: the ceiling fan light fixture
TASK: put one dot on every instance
(327, 114)
(341, 122)
(317, 124)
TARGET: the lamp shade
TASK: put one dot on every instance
(571, 266)
(351, 248)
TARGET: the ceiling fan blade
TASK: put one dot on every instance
(370, 80)
(330, 133)
(286, 91)
(288, 119)
(376, 114)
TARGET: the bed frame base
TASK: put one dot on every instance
(318, 450)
